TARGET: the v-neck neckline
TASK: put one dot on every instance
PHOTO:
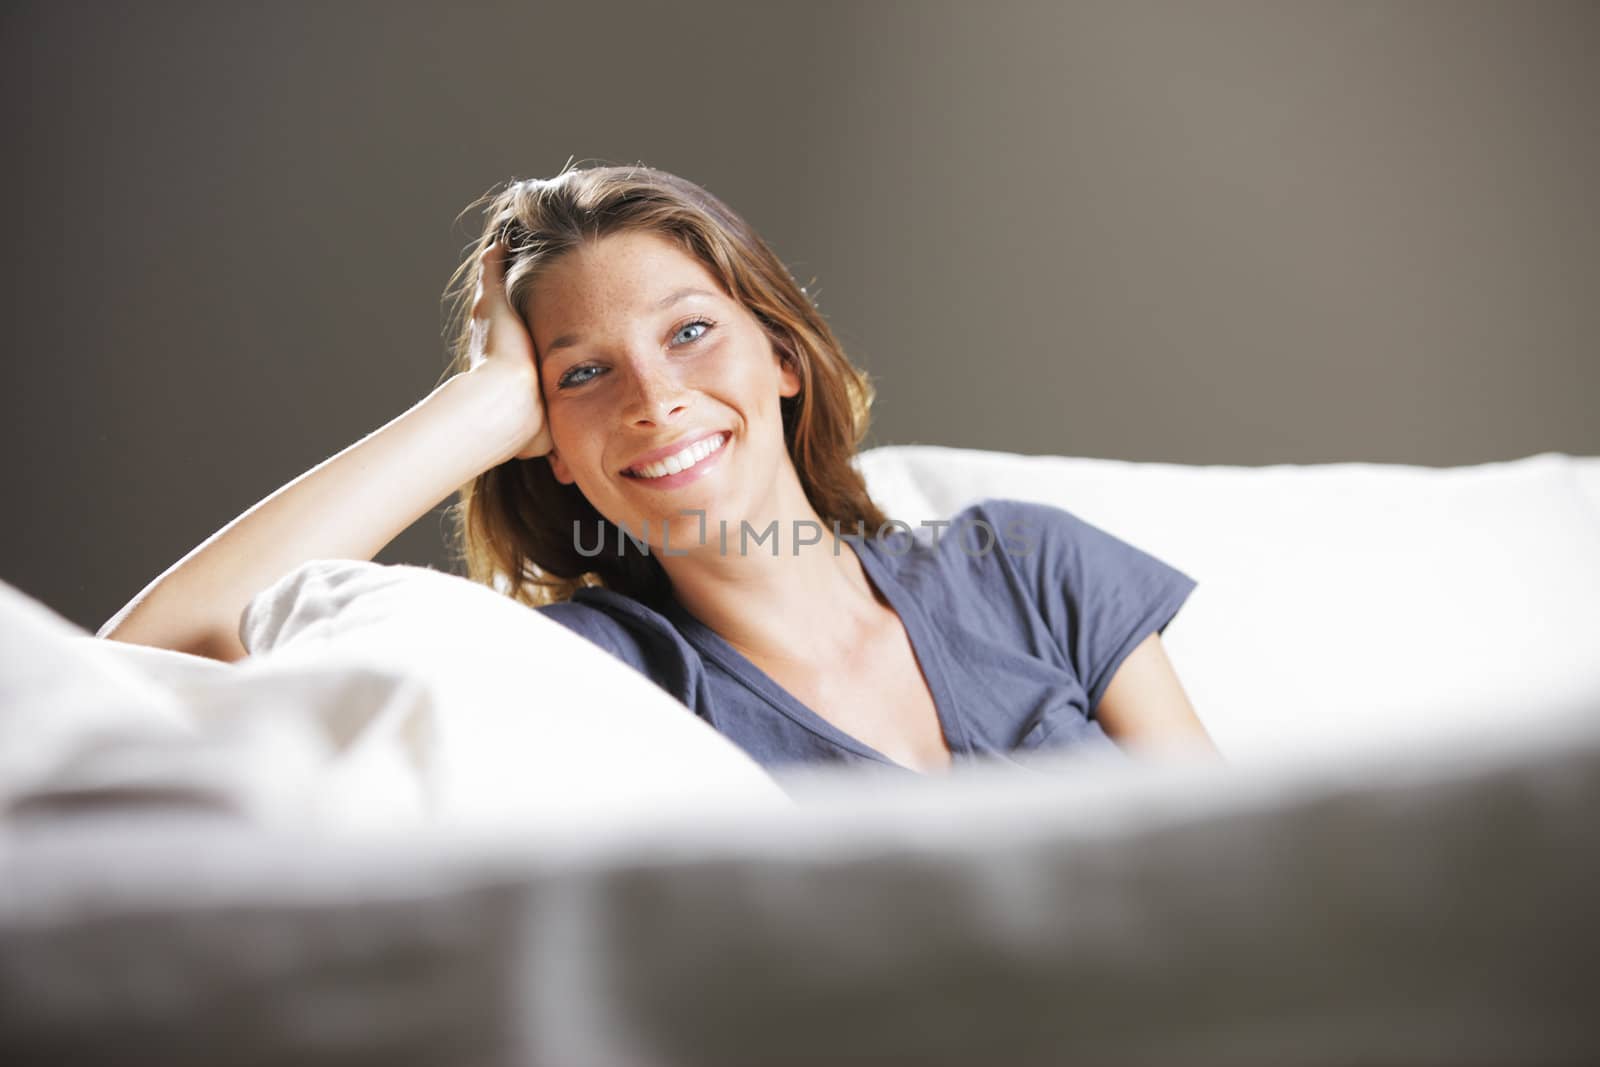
(924, 649)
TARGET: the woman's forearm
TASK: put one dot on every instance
(347, 507)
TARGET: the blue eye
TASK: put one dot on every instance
(707, 323)
(577, 376)
(585, 374)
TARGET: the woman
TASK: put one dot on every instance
(651, 427)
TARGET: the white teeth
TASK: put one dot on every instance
(682, 461)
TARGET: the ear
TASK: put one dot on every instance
(559, 468)
(788, 377)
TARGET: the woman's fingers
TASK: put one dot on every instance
(499, 345)
(487, 301)
(477, 340)
(493, 265)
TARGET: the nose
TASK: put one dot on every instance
(657, 396)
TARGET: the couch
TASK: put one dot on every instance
(376, 840)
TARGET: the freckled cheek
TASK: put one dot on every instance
(555, 417)
(729, 375)
(567, 434)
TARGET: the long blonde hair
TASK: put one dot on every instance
(513, 524)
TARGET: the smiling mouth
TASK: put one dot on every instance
(679, 462)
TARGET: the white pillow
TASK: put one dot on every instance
(1586, 472)
(52, 697)
(377, 699)
(1338, 604)
(505, 717)
(84, 723)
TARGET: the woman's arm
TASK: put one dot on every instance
(1145, 708)
(352, 505)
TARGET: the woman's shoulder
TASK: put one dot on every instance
(1029, 548)
(998, 512)
(982, 530)
(1052, 537)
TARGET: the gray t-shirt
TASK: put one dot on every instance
(1019, 614)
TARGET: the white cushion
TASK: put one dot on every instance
(1343, 603)
(57, 701)
(376, 699)
(509, 718)
(1586, 470)
(86, 722)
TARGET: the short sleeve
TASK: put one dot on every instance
(1099, 595)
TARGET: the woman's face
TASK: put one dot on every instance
(662, 392)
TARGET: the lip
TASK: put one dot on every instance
(693, 474)
(670, 450)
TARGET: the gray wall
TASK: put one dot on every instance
(1192, 232)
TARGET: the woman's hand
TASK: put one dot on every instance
(500, 351)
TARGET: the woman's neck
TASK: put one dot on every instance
(797, 595)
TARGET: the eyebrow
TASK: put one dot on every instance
(567, 340)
